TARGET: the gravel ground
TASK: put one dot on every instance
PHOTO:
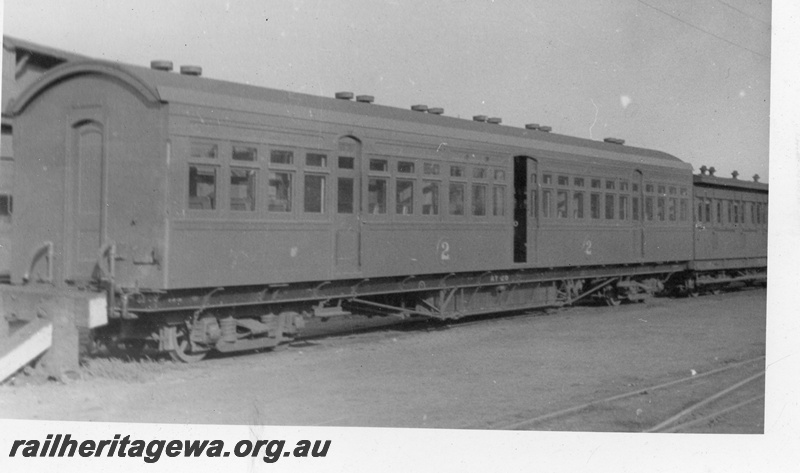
(460, 376)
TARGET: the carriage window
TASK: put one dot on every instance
(597, 184)
(243, 189)
(578, 182)
(6, 207)
(662, 190)
(547, 178)
(277, 156)
(478, 200)
(406, 167)
(279, 198)
(378, 165)
(202, 187)
(479, 173)
(499, 175)
(547, 198)
(563, 181)
(499, 207)
(346, 162)
(404, 198)
(685, 210)
(562, 197)
(673, 190)
(577, 205)
(610, 206)
(203, 151)
(649, 188)
(707, 211)
(594, 205)
(719, 211)
(635, 207)
(611, 185)
(623, 185)
(376, 196)
(457, 192)
(456, 171)
(648, 209)
(730, 211)
(623, 207)
(317, 160)
(661, 209)
(430, 169)
(314, 194)
(344, 195)
(430, 198)
(635, 187)
(244, 153)
(673, 209)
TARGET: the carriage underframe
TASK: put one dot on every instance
(189, 324)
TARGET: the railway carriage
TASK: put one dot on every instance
(730, 229)
(218, 215)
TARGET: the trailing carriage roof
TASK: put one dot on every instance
(728, 183)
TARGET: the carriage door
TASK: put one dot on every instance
(525, 216)
(533, 209)
(88, 215)
(347, 172)
(637, 202)
(520, 209)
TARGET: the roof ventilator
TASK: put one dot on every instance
(344, 95)
(494, 120)
(161, 65)
(419, 108)
(616, 141)
(365, 98)
(192, 71)
(436, 111)
(480, 118)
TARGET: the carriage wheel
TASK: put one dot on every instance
(183, 352)
(613, 300)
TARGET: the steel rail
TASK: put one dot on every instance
(571, 410)
(716, 414)
(705, 402)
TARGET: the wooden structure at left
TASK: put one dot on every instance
(53, 324)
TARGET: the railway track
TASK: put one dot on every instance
(696, 403)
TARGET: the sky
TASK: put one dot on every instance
(688, 77)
